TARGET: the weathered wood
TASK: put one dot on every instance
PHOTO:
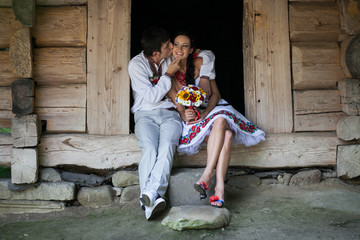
(60, 26)
(314, 22)
(317, 122)
(350, 56)
(21, 52)
(316, 76)
(26, 131)
(5, 118)
(348, 161)
(315, 52)
(350, 96)
(5, 98)
(7, 73)
(25, 11)
(6, 142)
(8, 25)
(316, 101)
(316, 65)
(22, 91)
(348, 128)
(63, 120)
(24, 165)
(249, 64)
(56, 66)
(112, 152)
(72, 95)
(271, 66)
(108, 91)
(7, 3)
(350, 16)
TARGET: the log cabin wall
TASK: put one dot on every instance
(315, 34)
(59, 66)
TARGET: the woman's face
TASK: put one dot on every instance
(182, 47)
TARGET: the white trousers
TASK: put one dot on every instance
(157, 132)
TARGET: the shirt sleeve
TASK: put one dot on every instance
(208, 66)
(142, 86)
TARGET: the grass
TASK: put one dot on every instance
(5, 130)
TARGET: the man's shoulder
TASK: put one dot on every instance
(138, 61)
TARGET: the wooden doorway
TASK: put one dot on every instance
(215, 26)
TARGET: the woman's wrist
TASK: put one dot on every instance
(169, 75)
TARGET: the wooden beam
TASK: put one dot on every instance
(8, 25)
(268, 81)
(7, 73)
(314, 21)
(108, 54)
(317, 101)
(60, 26)
(112, 152)
(317, 122)
(56, 66)
(6, 143)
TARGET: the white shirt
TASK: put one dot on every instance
(148, 96)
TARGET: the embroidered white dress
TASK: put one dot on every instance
(245, 132)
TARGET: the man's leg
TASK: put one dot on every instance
(170, 132)
(147, 134)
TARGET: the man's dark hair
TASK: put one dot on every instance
(152, 39)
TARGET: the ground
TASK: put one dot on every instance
(329, 210)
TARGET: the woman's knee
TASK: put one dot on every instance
(228, 137)
(220, 123)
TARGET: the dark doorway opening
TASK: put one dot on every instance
(215, 25)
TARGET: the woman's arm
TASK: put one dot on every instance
(172, 95)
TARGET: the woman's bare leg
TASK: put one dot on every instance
(222, 166)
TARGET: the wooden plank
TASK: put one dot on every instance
(4, 122)
(98, 152)
(272, 66)
(316, 101)
(7, 73)
(249, 64)
(315, 52)
(5, 98)
(60, 26)
(8, 25)
(314, 22)
(6, 143)
(279, 151)
(73, 96)
(63, 120)
(316, 75)
(108, 54)
(7, 3)
(56, 66)
(317, 122)
(112, 152)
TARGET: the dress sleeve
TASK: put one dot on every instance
(208, 66)
(142, 86)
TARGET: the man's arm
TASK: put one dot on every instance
(141, 84)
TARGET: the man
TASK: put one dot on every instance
(157, 124)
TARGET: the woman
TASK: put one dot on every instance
(219, 124)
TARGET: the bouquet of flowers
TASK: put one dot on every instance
(191, 96)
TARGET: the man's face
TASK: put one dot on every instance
(166, 49)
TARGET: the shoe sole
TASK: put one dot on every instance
(202, 191)
(145, 200)
(157, 210)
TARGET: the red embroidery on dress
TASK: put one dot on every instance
(181, 78)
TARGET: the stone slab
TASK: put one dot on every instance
(24, 206)
(62, 191)
(24, 165)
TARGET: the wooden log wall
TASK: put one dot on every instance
(59, 68)
(315, 33)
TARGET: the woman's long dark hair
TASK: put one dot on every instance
(190, 67)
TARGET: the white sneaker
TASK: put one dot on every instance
(154, 211)
(148, 198)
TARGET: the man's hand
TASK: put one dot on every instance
(173, 67)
